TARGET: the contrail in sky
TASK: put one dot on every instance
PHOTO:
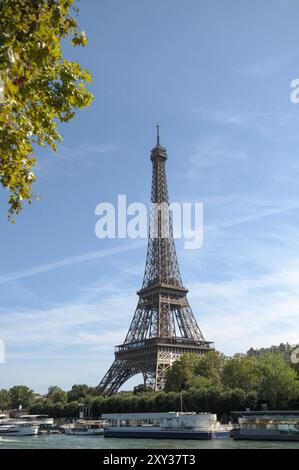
(67, 262)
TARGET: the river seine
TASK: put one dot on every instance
(60, 441)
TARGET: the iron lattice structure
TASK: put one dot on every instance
(163, 326)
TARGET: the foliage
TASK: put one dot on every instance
(181, 372)
(40, 86)
(56, 394)
(141, 388)
(79, 392)
(278, 381)
(251, 400)
(20, 395)
(199, 382)
(4, 400)
(38, 406)
(210, 366)
(196, 371)
(212, 400)
(241, 371)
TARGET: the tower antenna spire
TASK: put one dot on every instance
(158, 134)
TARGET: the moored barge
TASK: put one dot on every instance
(267, 426)
(172, 425)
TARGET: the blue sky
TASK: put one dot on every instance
(216, 75)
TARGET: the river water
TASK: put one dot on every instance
(61, 441)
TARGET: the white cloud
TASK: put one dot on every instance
(263, 69)
(70, 324)
(265, 123)
(257, 213)
(243, 313)
(70, 154)
(66, 343)
(69, 159)
(214, 152)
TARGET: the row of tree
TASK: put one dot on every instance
(212, 382)
(27, 398)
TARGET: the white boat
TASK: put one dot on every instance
(86, 428)
(41, 420)
(20, 429)
(172, 425)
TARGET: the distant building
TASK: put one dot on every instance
(283, 349)
(85, 411)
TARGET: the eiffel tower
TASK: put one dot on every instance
(163, 327)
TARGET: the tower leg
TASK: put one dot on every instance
(149, 379)
(116, 376)
(164, 363)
